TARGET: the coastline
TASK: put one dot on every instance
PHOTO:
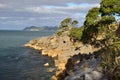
(61, 49)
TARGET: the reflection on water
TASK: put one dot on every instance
(18, 62)
(25, 64)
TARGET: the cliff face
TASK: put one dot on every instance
(60, 48)
(75, 60)
(87, 68)
(103, 64)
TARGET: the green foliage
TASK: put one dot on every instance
(107, 20)
(59, 33)
(66, 25)
(65, 22)
(75, 22)
(109, 7)
(91, 25)
(89, 34)
(98, 19)
(76, 33)
(109, 55)
(91, 17)
(102, 29)
(109, 64)
(97, 22)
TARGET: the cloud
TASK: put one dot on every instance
(42, 12)
(46, 2)
(61, 9)
(4, 18)
(3, 5)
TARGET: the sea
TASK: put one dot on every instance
(21, 63)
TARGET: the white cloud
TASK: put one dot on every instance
(61, 9)
(4, 18)
(78, 6)
(45, 10)
(31, 19)
(17, 22)
(3, 5)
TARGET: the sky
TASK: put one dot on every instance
(18, 14)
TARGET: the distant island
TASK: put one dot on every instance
(42, 28)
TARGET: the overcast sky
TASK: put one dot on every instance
(17, 14)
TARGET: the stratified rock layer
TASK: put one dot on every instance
(60, 48)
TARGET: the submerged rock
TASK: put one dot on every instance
(46, 64)
(51, 69)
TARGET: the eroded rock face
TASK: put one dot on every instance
(57, 47)
(60, 48)
(84, 67)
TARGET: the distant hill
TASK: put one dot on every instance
(42, 28)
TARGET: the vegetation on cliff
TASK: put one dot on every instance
(76, 33)
(99, 36)
(101, 28)
(105, 23)
(66, 26)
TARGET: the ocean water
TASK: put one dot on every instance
(18, 62)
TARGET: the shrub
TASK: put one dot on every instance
(59, 33)
(76, 33)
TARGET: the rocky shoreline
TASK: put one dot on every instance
(61, 49)
(91, 52)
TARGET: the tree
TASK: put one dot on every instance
(65, 22)
(92, 16)
(76, 33)
(74, 23)
(66, 25)
(107, 20)
(110, 7)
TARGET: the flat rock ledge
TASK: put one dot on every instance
(60, 48)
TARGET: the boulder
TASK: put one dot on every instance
(46, 64)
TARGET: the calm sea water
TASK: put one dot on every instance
(21, 63)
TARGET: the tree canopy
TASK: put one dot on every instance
(92, 16)
(100, 18)
(66, 25)
(110, 7)
(107, 19)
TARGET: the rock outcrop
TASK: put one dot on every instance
(84, 67)
(60, 48)
(75, 60)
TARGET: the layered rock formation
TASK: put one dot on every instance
(75, 60)
(60, 48)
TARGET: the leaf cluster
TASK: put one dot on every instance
(76, 33)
